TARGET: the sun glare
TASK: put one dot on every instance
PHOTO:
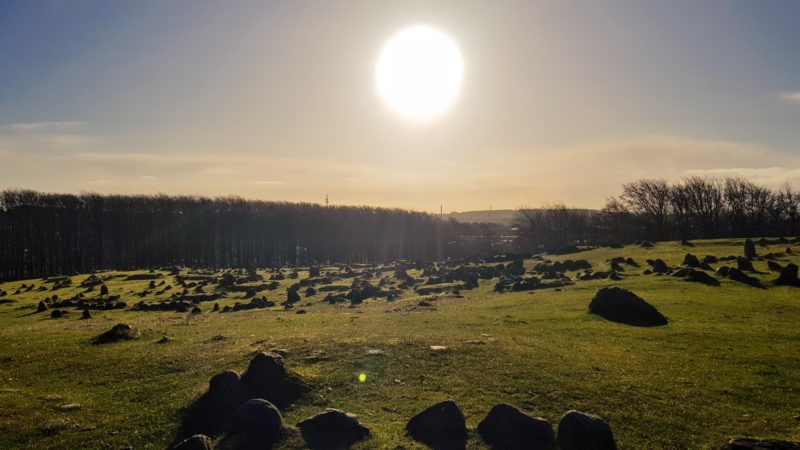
(419, 72)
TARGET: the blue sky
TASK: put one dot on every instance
(561, 101)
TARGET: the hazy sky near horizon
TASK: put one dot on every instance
(560, 101)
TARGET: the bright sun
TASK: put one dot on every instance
(419, 72)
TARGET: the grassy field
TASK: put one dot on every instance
(726, 365)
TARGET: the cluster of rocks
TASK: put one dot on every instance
(590, 274)
(529, 283)
(738, 275)
(695, 276)
(258, 423)
(252, 290)
(254, 303)
(27, 288)
(152, 276)
(443, 426)
(54, 303)
(562, 266)
(244, 411)
(165, 305)
(58, 282)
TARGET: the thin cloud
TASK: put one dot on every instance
(268, 182)
(46, 126)
(220, 171)
(790, 97)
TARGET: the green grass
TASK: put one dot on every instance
(727, 365)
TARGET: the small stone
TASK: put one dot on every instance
(70, 407)
(118, 332)
(757, 444)
(56, 426)
(438, 348)
(196, 442)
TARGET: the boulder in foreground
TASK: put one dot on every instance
(332, 429)
(621, 305)
(258, 421)
(267, 378)
(509, 428)
(582, 431)
(441, 427)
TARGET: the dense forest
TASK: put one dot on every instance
(50, 234)
(658, 210)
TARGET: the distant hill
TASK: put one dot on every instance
(501, 216)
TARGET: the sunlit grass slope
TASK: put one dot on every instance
(726, 365)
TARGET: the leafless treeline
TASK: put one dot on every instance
(655, 209)
(48, 234)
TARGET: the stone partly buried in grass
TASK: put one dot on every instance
(255, 424)
(582, 431)
(756, 444)
(266, 377)
(788, 276)
(735, 274)
(442, 426)
(509, 428)
(332, 429)
(196, 442)
(621, 305)
(119, 332)
(696, 276)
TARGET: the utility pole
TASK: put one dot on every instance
(326, 200)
